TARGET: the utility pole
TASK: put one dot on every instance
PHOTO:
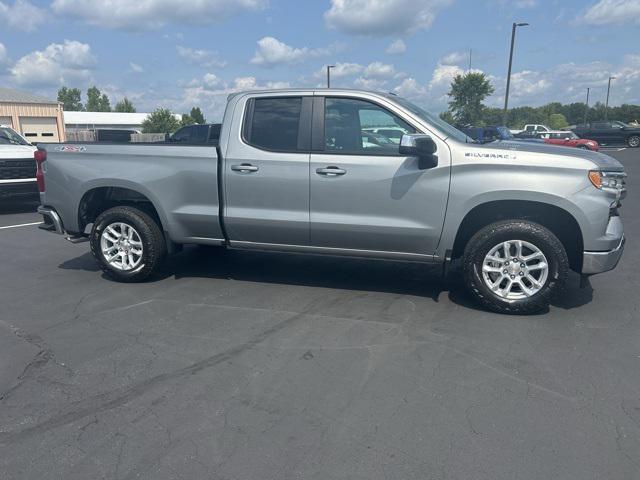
(506, 95)
(606, 105)
(329, 67)
(586, 108)
(469, 60)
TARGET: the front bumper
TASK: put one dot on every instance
(599, 262)
(26, 186)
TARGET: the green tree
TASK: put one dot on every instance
(124, 105)
(197, 116)
(447, 117)
(160, 120)
(97, 101)
(467, 93)
(557, 121)
(71, 99)
(187, 120)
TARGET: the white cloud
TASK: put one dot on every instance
(454, 58)
(135, 68)
(152, 14)
(410, 88)
(397, 46)
(211, 80)
(21, 16)
(382, 17)
(203, 58)
(379, 70)
(612, 12)
(343, 70)
(55, 65)
(271, 52)
(369, 83)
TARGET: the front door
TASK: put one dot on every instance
(266, 173)
(364, 194)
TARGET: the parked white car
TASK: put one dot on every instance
(17, 164)
(394, 134)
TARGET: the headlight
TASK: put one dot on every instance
(612, 182)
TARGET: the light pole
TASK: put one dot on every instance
(506, 95)
(329, 67)
(586, 108)
(606, 105)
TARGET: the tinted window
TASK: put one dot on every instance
(348, 123)
(214, 133)
(275, 123)
(181, 134)
(198, 134)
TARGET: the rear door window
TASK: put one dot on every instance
(274, 123)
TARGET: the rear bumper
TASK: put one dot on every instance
(51, 220)
(599, 262)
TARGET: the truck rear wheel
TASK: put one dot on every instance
(515, 266)
(127, 243)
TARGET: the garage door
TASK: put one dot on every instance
(5, 121)
(39, 129)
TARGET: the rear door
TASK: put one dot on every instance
(369, 197)
(602, 132)
(266, 171)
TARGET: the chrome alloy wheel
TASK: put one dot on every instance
(515, 269)
(121, 246)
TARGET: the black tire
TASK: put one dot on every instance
(492, 235)
(634, 141)
(584, 147)
(153, 243)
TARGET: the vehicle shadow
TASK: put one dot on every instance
(26, 204)
(325, 272)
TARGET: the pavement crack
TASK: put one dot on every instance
(113, 399)
(44, 356)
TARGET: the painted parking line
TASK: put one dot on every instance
(20, 225)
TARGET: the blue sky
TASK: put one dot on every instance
(179, 54)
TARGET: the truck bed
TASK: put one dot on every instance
(180, 181)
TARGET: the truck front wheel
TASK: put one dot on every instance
(127, 243)
(515, 266)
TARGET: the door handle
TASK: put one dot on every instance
(244, 168)
(330, 171)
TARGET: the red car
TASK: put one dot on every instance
(568, 139)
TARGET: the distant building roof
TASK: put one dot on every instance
(8, 95)
(106, 118)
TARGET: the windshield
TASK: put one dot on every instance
(505, 133)
(8, 135)
(437, 122)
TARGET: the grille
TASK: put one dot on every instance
(16, 169)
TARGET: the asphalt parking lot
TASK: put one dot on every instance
(246, 365)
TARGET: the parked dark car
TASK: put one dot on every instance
(115, 135)
(611, 132)
(208, 133)
(493, 133)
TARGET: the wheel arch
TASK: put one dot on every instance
(558, 220)
(98, 199)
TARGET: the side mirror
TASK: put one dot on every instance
(421, 146)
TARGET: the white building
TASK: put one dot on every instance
(76, 121)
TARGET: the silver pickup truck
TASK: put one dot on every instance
(314, 171)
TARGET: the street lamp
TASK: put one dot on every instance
(506, 96)
(329, 67)
(606, 105)
(586, 108)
